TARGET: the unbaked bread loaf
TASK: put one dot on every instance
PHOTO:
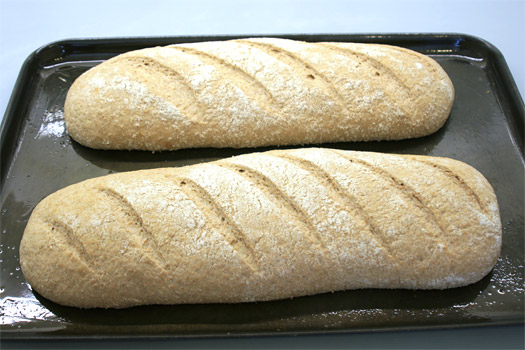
(263, 226)
(257, 92)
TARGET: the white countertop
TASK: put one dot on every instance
(26, 25)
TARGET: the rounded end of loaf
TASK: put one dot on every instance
(92, 116)
(439, 98)
(70, 257)
(425, 93)
(49, 264)
(478, 226)
(81, 123)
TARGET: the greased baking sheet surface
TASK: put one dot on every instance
(38, 158)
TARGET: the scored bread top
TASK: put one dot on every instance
(257, 92)
(263, 226)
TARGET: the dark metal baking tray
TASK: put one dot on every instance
(485, 129)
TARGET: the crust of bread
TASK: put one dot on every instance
(257, 92)
(263, 226)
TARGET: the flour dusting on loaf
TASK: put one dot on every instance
(263, 226)
(257, 92)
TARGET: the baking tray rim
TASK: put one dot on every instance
(36, 336)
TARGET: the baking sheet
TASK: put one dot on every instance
(485, 130)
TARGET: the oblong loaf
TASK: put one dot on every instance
(257, 92)
(263, 226)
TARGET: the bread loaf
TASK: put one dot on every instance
(257, 92)
(263, 226)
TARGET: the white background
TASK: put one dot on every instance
(27, 25)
